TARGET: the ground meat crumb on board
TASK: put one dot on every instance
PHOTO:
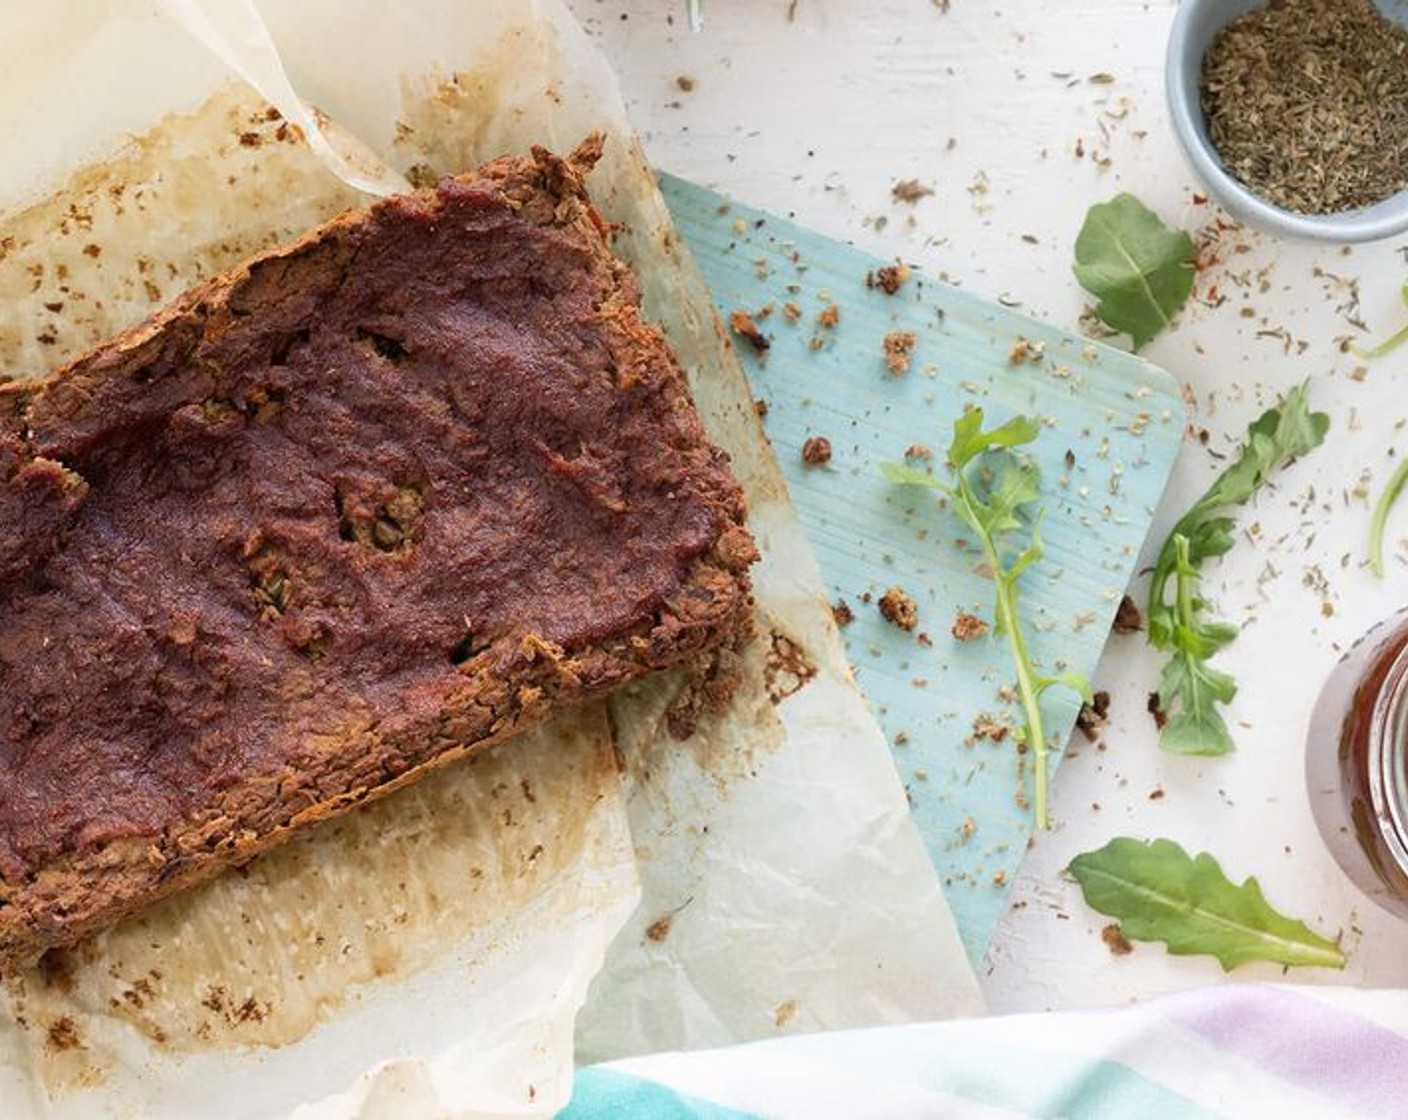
(744, 326)
(829, 315)
(842, 613)
(989, 727)
(899, 608)
(889, 279)
(918, 451)
(899, 345)
(816, 451)
(1025, 350)
(966, 627)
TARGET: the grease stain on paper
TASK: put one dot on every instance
(261, 955)
(123, 237)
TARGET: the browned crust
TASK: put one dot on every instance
(504, 691)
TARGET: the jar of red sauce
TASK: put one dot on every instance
(1357, 764)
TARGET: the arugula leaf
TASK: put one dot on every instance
(1139, 270)
(1158, 892)
(992, 488)
(1189, 690)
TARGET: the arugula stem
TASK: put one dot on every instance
(1390, 344)
(1009, 623)
(994, 504)
(1190, 690)
(1185, 578)
(1380, 517)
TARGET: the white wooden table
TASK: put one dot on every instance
(1020, 115)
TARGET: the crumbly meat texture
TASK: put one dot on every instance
(344, 513)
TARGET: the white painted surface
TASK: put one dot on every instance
(815, 116)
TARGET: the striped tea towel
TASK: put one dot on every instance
(1225, 1051)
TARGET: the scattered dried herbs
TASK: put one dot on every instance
(1307, 103)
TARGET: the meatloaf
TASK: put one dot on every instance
(359, 506)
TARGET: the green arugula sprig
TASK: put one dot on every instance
(1389, 497)
(993, 488)
(1189, 689)
(1158, 892)
(1378, 521)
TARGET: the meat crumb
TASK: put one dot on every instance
(829, 316)
(1025, 350)
(1128, 620)
(791, 312)
(898, 608)
(744, 326)
(1157, 711)
(918, 451)
(685, 83)
(659, 929)
(910, 190)
(889, 279)
(1114, 937)
(966, 627)
(760, 406)
(990, 728)
(842, 613)
(1092, 717)
(816, 451)
(899, 345)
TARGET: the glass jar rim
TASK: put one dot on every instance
(1388, 760)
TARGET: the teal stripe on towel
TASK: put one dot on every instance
(1109, 1089)
(1018, 1078)
(608, 1094)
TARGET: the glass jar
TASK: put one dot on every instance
(1357, 764)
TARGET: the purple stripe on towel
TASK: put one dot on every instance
(1352, 1061)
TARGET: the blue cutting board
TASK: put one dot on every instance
(1112, 424)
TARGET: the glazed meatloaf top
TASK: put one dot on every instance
(401, 488)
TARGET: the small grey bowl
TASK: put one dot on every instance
(1194, 28)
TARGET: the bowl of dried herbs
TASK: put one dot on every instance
(1294, 113)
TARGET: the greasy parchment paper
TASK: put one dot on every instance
(430, 954)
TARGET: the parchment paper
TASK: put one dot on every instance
(782, 885)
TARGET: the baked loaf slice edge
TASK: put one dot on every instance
(367, 502)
